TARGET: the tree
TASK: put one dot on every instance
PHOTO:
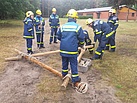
(14, 9)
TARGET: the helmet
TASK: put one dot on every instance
(29, 13)
(112, 11)
(54, 10)
(72, 13)
(85, 31)
(38, 12)
(89, 21)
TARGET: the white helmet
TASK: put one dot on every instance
(89, 21)
(29, 13)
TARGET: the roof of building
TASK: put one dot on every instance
(100, 9)
(95, 9)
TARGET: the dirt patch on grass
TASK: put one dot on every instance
(25, 82)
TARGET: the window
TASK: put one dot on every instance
(133, 14)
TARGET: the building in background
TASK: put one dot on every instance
(123, 13)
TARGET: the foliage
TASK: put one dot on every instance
(116, 3)
(14, 9)
(85, 17)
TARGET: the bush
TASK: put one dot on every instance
(86, 17)
(81, 17)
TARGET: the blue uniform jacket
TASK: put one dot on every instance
(113, 22)
(28, 28)
(39, 21)
(101, 30)
(70, 35)
(54, 21)
(87, 39)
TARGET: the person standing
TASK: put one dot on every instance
(54, 24)
(113, 22)
(102, 33)
(70, 35)
(29, 30)
(39, 26)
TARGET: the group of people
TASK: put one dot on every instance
(37, 23)
(71, 36)
(104, 33)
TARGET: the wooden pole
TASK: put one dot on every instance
(82, 51)
(13, 58)
(42, 54)
(32, 59)
(46, 53)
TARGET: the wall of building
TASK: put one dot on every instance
(103, 15)
(123, 12)
(123, 16)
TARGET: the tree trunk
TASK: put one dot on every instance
(127, 15)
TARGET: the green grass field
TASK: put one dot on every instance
(119, 68)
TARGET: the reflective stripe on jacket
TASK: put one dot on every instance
(101, 30)
(28, 28)
(113, 22)
(39, 23)
(54, 21)
(70, 34)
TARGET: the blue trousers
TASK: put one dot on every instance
(100, 49)
(73, 64)
(111, 43)
(53, 35)
(29, 45)
(40, 42)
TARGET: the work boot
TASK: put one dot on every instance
(93, 58)
(74, 84)
(42, 47)
(30, 52)
(55, 42)
(91, 52)
(106, 48)
(112, 51)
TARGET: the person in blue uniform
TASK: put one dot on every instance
(113, 22)
(88, 41)
(102, 33)
(70, 35)
(54, 24)
(39, 26)
(29, 30)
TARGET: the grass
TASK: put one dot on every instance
(10, 38)
(119, 68)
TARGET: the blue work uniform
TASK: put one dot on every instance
(28, 33)
(88, 41)
(54, 24)
(39, 26)
(70, 35)
(102, 33)
(113, 22)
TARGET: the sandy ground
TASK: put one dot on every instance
(22, 81)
